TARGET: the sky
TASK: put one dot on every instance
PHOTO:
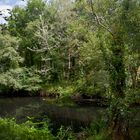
(8, 4)
(12, 2)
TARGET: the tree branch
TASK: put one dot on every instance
(38, 50)
(98, 19)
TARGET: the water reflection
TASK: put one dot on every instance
(22, 108)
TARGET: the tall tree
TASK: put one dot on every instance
(112, 22)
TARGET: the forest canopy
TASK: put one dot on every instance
(76, 43)
(81, 46)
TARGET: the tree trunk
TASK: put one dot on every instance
(119, 126)
(133, 71)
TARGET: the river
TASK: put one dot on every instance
(23, 108)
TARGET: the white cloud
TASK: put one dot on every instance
(9, 4)
(2, 20)
(3, 7)
(21, 3)
(4, 13)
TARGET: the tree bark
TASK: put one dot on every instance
(119, 122)
(119, 125)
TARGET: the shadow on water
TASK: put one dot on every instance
(25, 107)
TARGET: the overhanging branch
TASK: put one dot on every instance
(38, 50)
(98, 19)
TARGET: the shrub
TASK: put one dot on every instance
(9, 130)
(97, 131)
(65, 134)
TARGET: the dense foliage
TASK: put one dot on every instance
(73, 43)
(80, 46)
(11, 131)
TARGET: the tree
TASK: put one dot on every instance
(112, 22)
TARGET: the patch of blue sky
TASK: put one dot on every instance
(9, 4)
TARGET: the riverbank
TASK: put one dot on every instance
(29, 130)
(82, 121)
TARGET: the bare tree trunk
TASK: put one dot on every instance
(133, 71)
(69, 64)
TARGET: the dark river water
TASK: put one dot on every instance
(77, 117)
(27, 107)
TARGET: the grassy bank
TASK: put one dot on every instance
(10, 130)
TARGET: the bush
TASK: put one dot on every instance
(97, 131)
(20, 79)
(65, 134)
(9, 130)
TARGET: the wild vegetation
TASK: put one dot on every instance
(29, 130)
(89, 47)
